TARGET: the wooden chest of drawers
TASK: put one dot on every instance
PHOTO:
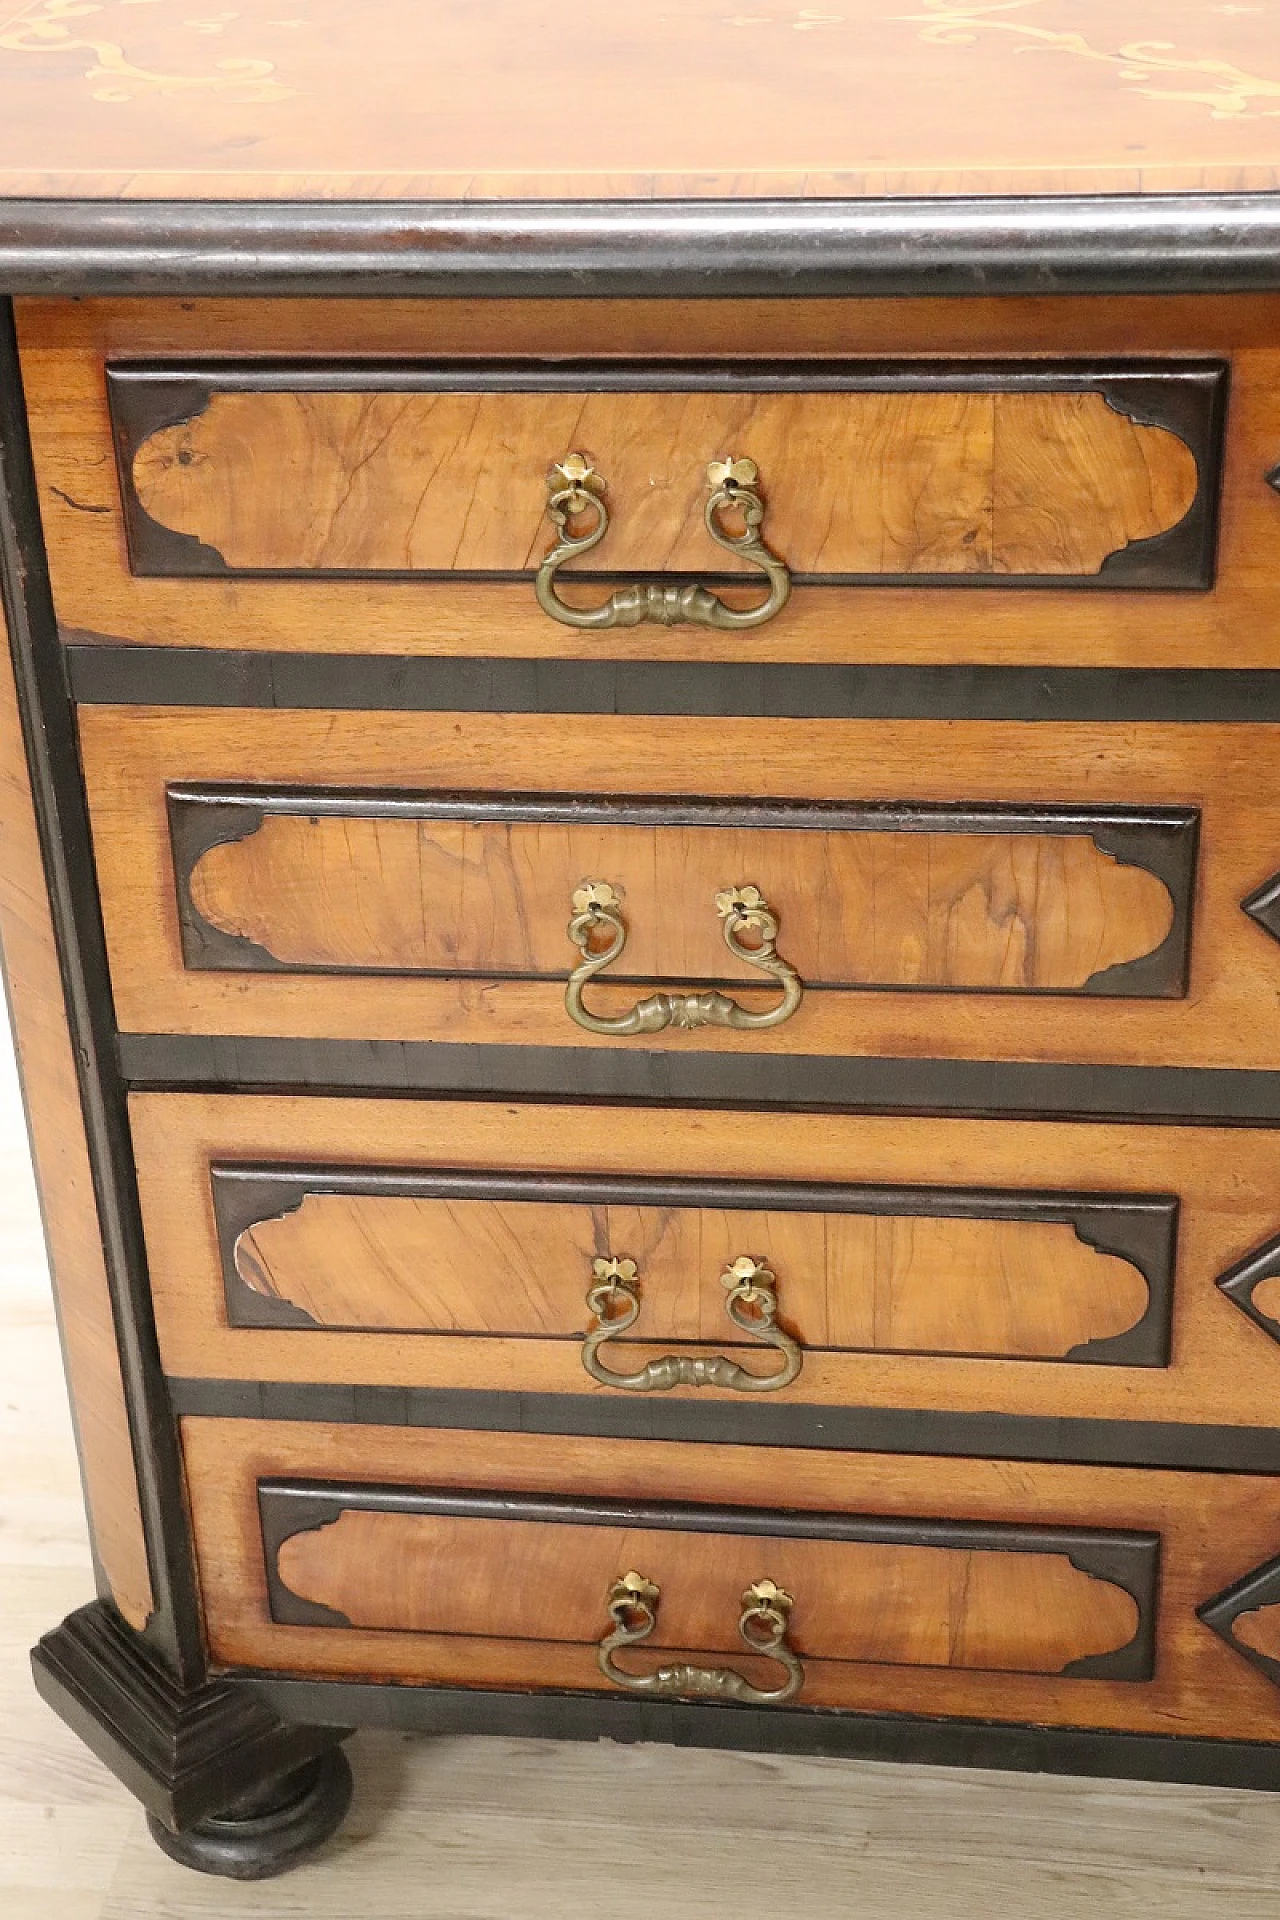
(641, 889)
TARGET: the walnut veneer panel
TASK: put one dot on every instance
(66, 347)
(1229, 773)
(976, 910)
(1018, 1289)
(1224, 1369)
(861, 483)
(897, 1605)
(1213, 1527)
(65, 1181)
(868, 97)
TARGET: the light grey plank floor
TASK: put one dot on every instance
(525, 1830)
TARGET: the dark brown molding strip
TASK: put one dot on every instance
(1185, 397)
(806, 1083)
(674, 249)
(1139, 1228)
(107, 672)
(1124, 1559)
(1160, 840)
(919, 1430)
(724, 1726)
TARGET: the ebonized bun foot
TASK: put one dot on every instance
(269, 1831)
(200, 1757)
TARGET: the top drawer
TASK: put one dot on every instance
(1021, 483)
(995, 473)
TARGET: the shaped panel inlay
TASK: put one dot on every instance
(958, 472)
(1247, 1617)
(1264, 906)
(1078, 1277)
(966, 898)
(915, 1592)
(1253, 1285)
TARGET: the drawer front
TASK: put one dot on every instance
(913, 1593)
(1048, 900)
(1060, 1594)
(1106, 475)
(289, 873)
(1077, 1271)
(949, 481)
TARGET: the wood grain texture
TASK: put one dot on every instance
(1260, 1630)
(865, 483)
(865, 98)
(895, 1605)
(66, 346)
(64, 1178)
(1224, 1369)
(132, 754)
(1028, 1289)
(1212, 1527)
(979, 911)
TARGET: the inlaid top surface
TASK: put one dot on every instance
(671, 99)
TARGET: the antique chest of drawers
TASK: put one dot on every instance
(640, 829)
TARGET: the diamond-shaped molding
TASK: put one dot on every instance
(1225, 1613)
(1264, 906)
(1273, 478)
(1241, 1282)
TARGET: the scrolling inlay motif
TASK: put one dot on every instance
(43, 27)
(1227, 91)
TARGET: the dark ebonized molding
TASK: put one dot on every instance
(978, 1436)
(638, 249)
(1187, 398)
(1124, 1559)
(1140, 1228)
(727, 1727)
(805, 1083)
(1240, 1282)
(186, 1753)
(48, 730)
(1161, 840)
(1260, 1588)
(1264, 906)
(105, 672)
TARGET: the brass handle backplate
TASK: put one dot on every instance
(762, 1627)
(575, 489)
(597, 917)
(751, 1304)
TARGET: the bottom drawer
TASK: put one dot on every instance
(1058, 1594)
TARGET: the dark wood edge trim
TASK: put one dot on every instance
(1263, 906)
(1160, 840)
(923, 1431)
(110, 672)
(48, 728)
(1240, 1281)
(1259, 1588)
(1139, 1228)
(803, 1083)
(725, 1727)
(185, 1753)
(674, 249)
(1123, 1558)
(1184, 397)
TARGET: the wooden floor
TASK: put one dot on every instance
(525, 1830)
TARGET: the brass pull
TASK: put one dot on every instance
(574, 488)
(762, 1627)
(752, 1305)
(596, 912)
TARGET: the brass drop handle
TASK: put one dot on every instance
(599, 932)
(762, 1627)
(574, 489)
(751, 1304)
